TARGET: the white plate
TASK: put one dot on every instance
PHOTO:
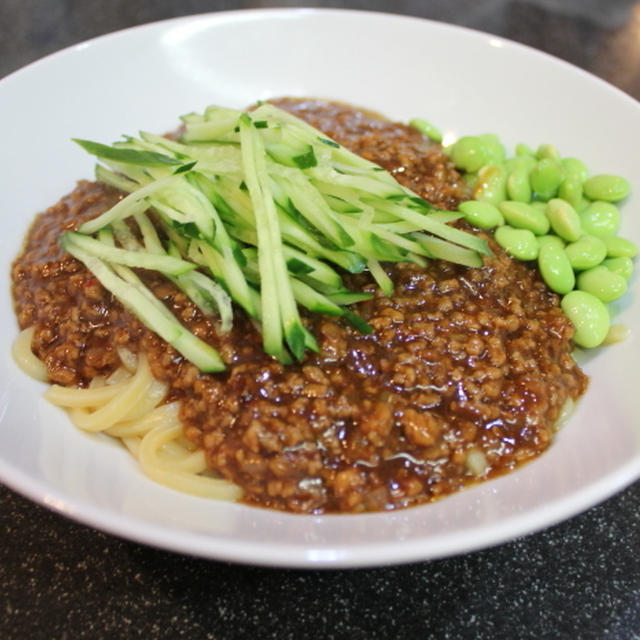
(464, 81)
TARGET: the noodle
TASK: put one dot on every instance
(26, 359)
(129, 405)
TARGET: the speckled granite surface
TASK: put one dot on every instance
(580, 579)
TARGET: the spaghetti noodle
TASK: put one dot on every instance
(129, 405)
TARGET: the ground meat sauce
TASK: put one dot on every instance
(461, 361)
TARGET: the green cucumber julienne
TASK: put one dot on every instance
(256, 208)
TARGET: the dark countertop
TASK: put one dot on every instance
(579, 579)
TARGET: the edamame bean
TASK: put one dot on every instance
(481, 214)
(547, 151)
(575, 167)
(556, 241)
(622, 266)
(522, 216)
(600, 219)
(589, 317)
(606, 187)
(491, 185)
(525, 162)
(426, 128)
(495, 151)
(602, 283)
(539, 206)
(570, 189)
(520, 243)
(555, 268)
(523, 149)
(563, 219)
(469, 153)
(586, 252)
(618, 247)
(518, 187)
(470, 179)
(546, 177)
(582, 205)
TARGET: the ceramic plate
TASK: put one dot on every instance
(466, 82)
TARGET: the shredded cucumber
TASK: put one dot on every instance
(260, 209)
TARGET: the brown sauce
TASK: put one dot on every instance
(461, 359)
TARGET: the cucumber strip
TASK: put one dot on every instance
(141, 175)
(192, 117)
(318, 271)
(223, 266)
(149, 234)
(344, 298)
(445, 216)
(214, 111)
(205, 293)
(435, 227)
(175, 147)
(365, 183)
(151, 312)
(370, 245)
(186, 203)
(339, 152)
(357, 322)
(219, 157)
(164, 264)
(134, 203)
(126, 155)
(116, 180)
(209, 130)
(125, 236)
(394, 239)
(271, 261)
(311, 299)
(438, 248)
(384, 281)
(340, 205)
(309, 202)
(208, 296)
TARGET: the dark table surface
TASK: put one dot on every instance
(579, 579)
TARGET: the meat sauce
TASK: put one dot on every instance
(463, 362)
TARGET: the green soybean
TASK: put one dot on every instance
(522, 216)
(586, 252)
(539, 206)
(520, 162)
(607, 187)
(622, 266)
(555, 268)
(491, 185)
(556, 241)
(481, 214)
(546, 177)
(518, 186)
(471, 179)
(496, 153)
(426, 128)
(523, 149)
(520, 243)
(547, 151)
(589, 317)
(618, 247)
(600, 219)
(469, 153)
(570, 189)
(575, 167)
(564, 219)
(602, 283)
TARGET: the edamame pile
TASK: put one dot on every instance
(548, 208)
